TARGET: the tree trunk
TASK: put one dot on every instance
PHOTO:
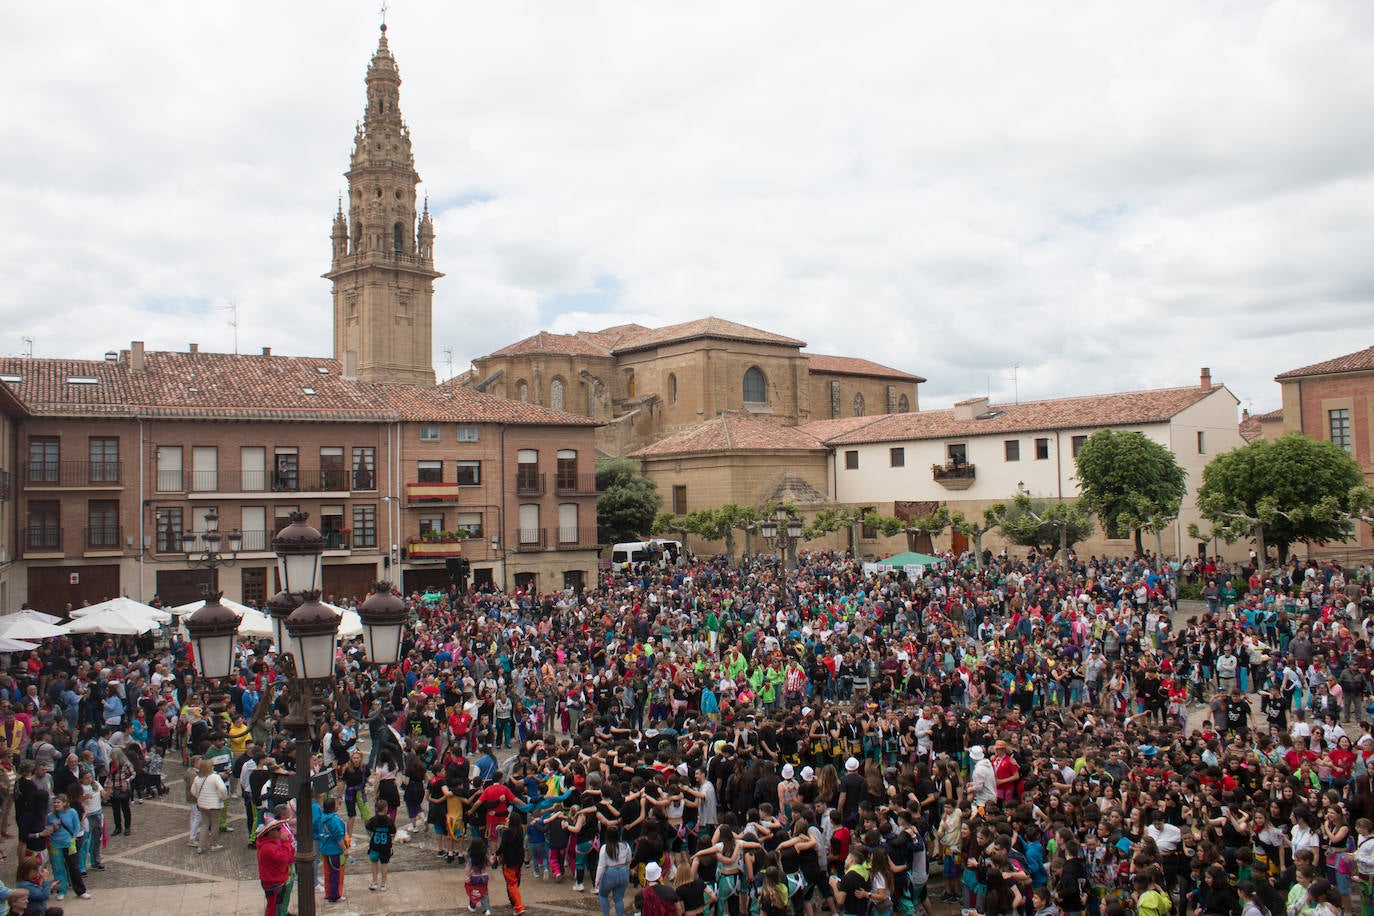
(977, 548)
(1139, 544)
(1159, 548)
(1259, 549)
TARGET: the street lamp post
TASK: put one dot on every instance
(307, 632)
(209, 555)
(783, 530)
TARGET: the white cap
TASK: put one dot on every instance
(652, 872)
(787, 771)
(851, 764)
(976, 752)
(808, 774)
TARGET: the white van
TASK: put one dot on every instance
(658, 552)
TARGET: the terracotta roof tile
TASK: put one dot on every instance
(732, 432)
(702, 327)
(609, 337)
(849, 365)
(545, 343)
(1118, 409)
(1359, 361)
(838, 426)
(1253, 425)
(230, 386)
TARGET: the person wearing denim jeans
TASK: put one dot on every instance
(613, 872)
(89, 851)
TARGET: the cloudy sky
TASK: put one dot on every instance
(1107, 195)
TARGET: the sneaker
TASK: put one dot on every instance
(472, 908)
(382, 888)
(216, 846)
(373, 886)
(578, 886)
(228, 829)
(99, 866)
(441, 855)
(84, 896)
(61, 896)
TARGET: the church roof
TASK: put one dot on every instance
(236, 387)
(850, 365)
(732, 432)
(1359, 361)
(547, 344)
(717, 328)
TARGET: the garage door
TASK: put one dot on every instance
(349, 580)
(51, 588)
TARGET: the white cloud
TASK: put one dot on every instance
(1109, 195)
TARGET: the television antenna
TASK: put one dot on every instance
(1015, 385)
(28, 347)
(233, 309)
(448, 358)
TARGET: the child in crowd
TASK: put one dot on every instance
(381, 833)
(477, 880)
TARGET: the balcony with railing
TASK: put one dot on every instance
(576, 538)
(528, 483)
(953, 476)
(337, 540)
(530, 539)
(40, 539)
(565, 484)
(432, 493)
(72, 473)
(104, 537)
(326, 480)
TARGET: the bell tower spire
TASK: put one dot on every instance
(383, 265)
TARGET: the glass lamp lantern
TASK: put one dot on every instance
(213, 629)
(768, 528)
(314, 631)
(299, 547)
(384, 615)
(794, 529)
(235, 540)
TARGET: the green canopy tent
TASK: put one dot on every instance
(910, 558)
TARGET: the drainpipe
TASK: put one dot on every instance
(142, 510)
(501, 515)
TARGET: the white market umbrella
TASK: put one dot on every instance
(29, 613)
(124, 605)
(29, 625)
(15, 645)
(182, 610)
(352, 624)
(114, 621)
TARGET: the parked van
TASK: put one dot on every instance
(658, 552)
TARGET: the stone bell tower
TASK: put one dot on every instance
(383, 253)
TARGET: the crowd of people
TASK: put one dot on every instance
(711, 737)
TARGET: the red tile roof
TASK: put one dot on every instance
(1359, 361)
(1253, 425)
(545, 343)
(731, 432)
(717, 328)
(609, 337)
(826, 430)
(849, 365)
(1118, 409)
(230, 386)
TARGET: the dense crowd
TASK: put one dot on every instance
(1002, 734)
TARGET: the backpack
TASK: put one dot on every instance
(652, 904)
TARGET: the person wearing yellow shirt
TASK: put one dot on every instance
(239, 733)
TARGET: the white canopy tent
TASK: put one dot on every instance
(27, 624)
(16, 645)
(126, 606)
(252, 622)
(115, 621)
(352, 624)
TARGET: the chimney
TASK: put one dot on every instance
(1244, 414)
(970, 408)
(266, 351)
(136, 356)
(1205, 382)
(111, 356)
(195, 348)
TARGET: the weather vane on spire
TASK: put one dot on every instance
(383, 12)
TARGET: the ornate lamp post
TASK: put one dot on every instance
(307, 633)
(213, 630)
(209, 555)
(783, 530)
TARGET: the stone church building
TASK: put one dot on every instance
(643, 384)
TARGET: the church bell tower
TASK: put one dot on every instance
(383, 251)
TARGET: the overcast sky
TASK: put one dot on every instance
(1109, 195)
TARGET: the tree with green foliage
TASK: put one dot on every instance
(1130, 482)
(1282, 492)
(628, 504)
(1045, 525)
(976, 529)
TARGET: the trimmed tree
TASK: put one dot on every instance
(628, 504)
(1130, 482)
(1045, 525)
(1282, 492)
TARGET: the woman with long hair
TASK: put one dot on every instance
(613, 870)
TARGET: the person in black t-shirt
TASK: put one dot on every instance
(1238, 713)
(381, 832)
(850, 890)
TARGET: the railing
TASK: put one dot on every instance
(170, 481)
(73, 473)
(168, 541)
(104, 537)
(574, 484)
(530, 539)
(256, 541)
(337, 540)
(529, 483)
(202, 481)
(569, 538)
(309, 481)
(364, 479)
(432, 493)
(952, 471)
(40, 539)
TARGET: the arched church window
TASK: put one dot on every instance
(858, 405)
(556, 394)
(522, 391)
(755, 386)
(672, 387)
(903, 405)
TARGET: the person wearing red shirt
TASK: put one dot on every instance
(496, 800)
(276, 852)
(1007, 771)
